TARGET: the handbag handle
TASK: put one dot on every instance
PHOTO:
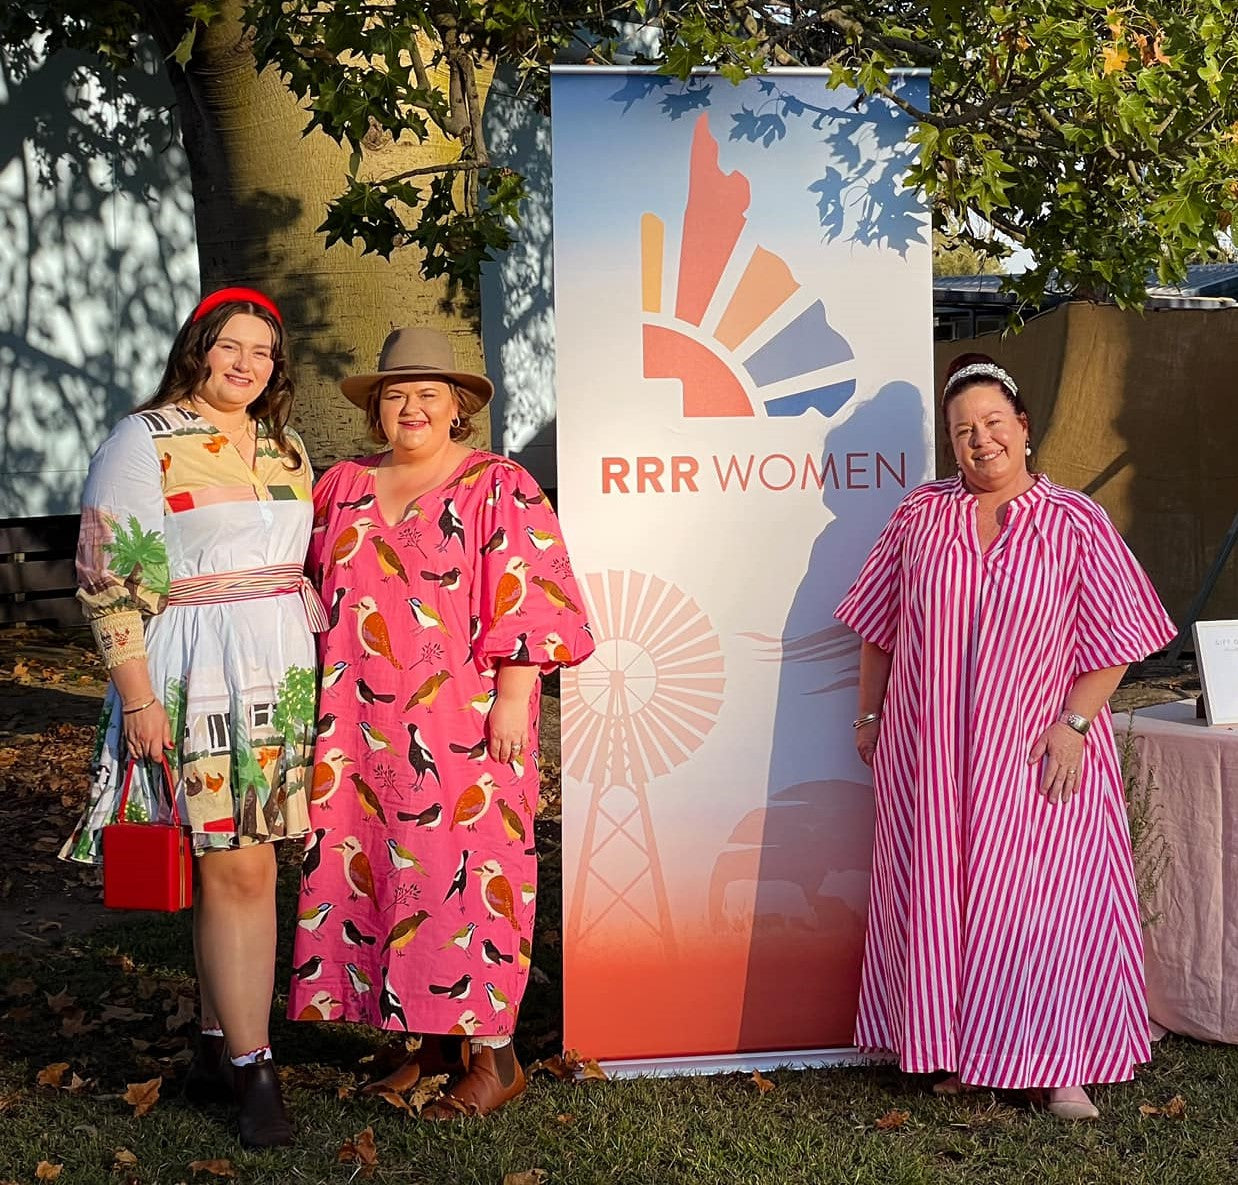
(168, 782)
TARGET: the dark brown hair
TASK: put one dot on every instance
(468, 404)
(949, 394)
(187, 370)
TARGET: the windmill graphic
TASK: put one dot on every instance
(641, 705)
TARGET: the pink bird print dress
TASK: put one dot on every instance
(419, 881)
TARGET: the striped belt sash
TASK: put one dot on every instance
(251, 584)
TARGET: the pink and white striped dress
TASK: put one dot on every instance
(1003, 932)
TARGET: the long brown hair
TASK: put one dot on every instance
(187, 370)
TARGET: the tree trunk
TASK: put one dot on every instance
(260, 192)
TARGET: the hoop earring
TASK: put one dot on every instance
(455, 422)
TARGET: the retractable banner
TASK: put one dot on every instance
(744, 365)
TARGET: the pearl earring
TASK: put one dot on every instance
(1027, 448)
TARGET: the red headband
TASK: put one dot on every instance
(227, 295)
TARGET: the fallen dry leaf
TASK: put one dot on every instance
(892, 1120)
(142, 1096)
(426, 1091)
(217, 1168)
(122, 1158)
(566, 1120)
(186, 1013)
(46, 1171)
(17, 988)
(591, 1070)
(1174, 1109)
(393, 1098)
(763, 1084)
(52, 1075)
(61, 1001)
(118, 1012)
(360, 1150)
(73, 1023)
(529, 1177)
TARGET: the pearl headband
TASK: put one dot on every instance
(977, 370)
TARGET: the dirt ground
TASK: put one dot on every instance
(51, 686)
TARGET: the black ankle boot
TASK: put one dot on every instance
(263, 1120)
(209, 1079)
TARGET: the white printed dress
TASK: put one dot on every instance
(168, 498)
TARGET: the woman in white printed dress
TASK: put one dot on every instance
(195, 522)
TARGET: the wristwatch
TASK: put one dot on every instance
(1080, 724)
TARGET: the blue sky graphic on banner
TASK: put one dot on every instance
(744, 369)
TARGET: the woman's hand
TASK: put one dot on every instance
(866, 737)
(147, 733)
(1061, 749)
(507, 727)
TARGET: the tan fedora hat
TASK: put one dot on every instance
(416, 353)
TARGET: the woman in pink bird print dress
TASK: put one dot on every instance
(449, 592)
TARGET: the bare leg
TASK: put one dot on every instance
(234, 932)
(206, 1006)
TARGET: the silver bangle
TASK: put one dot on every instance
(1080, 724)
(867, 718)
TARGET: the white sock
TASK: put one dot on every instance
(477, 1043)
(217, 1032)
(261, 1054)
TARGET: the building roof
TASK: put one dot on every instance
(1207, 285)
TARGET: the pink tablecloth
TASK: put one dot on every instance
(1192, 952)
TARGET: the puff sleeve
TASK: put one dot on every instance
(526, 599)
(1120, 619)
(872, 604)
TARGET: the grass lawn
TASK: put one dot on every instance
(852, 1125)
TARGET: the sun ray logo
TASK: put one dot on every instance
(734, 342)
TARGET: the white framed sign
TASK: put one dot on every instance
(1216, 651)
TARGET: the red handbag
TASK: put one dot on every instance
(147, 865)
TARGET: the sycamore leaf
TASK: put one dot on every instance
(892, 1120)
(46, 1171)
(361, 1150)
(1115, 58)
(426, 1091)
(763, 1084)
(142, 1096)
(391, 1097)
(60, 1002)
(217, 1168)
(1175, 1108)
(52, 1075)
(591, 1070)
(184, 49)
(121, 1013)
(186, 1012)
(74, 1023)
(122, 1158)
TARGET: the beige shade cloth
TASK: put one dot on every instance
(1192, 952)
(1137, 411)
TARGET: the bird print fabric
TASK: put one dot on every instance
(419, 880)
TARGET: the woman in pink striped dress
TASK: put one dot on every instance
(998, 612)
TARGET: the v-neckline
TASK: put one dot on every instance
(372, 471)
(252, 470)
